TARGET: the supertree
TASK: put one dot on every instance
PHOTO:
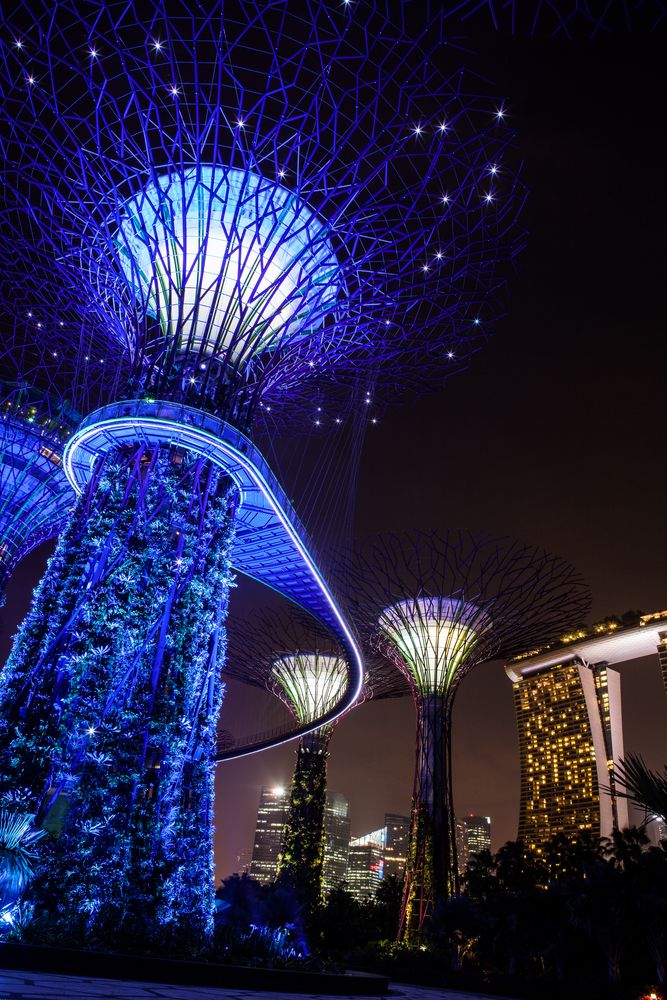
(305, 668)
(35, 495)
(265, 202)
(435, 605)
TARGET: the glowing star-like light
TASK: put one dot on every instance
(93, 53)
(477, 321)
(488, 198)
(450, 354)
(310, 683)
(240, 123)
(417, 130)
(228, 261)
(91, 730)
(434, 636)
(174, 91)
(445, 199)
(500, 114)
(31, 80)
(278, 791)
(157, 45)
(442, 127)
(493, 170)
(18, 44)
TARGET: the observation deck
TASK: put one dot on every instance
(270, 544)
(614, 646)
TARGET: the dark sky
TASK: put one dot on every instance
(554, 434)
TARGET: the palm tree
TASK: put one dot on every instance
(17, 839)
(646, 788)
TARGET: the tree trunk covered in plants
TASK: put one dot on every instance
(302, 857)
(110, 698)
(430, 872)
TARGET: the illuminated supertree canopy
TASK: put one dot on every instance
(35, 495)
(261, 200)
(434, 605)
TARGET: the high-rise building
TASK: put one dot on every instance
(377, 855)
(271, 819)
(336, 841)
(473, 834)
(568, 714)
(397, 839)
(243, 861)
(365, 868)
(662, 655)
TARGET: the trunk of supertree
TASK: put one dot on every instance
(302, 857)
(430, 872)
(110, 698)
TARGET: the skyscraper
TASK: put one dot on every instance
(569, 720)
(271, 819)
(473, 834)
(396, 844)
(336, 841)
(365, 869)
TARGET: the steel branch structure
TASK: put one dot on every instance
(435, 605)
(261, 200)
(35, 496)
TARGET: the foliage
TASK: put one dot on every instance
(109, 704)
(585, 919)
(644, 787)
(258, 924)
(18, 837)
(302, 857)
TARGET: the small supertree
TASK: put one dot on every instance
(304, 667)
(35, 495)
(435, 605)
(266, 199)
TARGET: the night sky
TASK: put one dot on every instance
(554, 434)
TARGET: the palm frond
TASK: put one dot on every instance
(638, 783)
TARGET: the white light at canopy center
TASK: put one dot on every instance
(435, 636)
(230, 263)
(312, 683)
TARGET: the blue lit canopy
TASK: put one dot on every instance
(288, 197)
(35, 496)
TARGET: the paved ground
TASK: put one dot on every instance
(40, 986)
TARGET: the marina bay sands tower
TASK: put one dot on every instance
(271, 204)
(567, 699)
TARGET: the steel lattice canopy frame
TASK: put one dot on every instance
(354, 183)
(35, 496)
(270, 543)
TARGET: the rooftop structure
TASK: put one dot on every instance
(434, 605)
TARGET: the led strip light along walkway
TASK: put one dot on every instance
(269, 543)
